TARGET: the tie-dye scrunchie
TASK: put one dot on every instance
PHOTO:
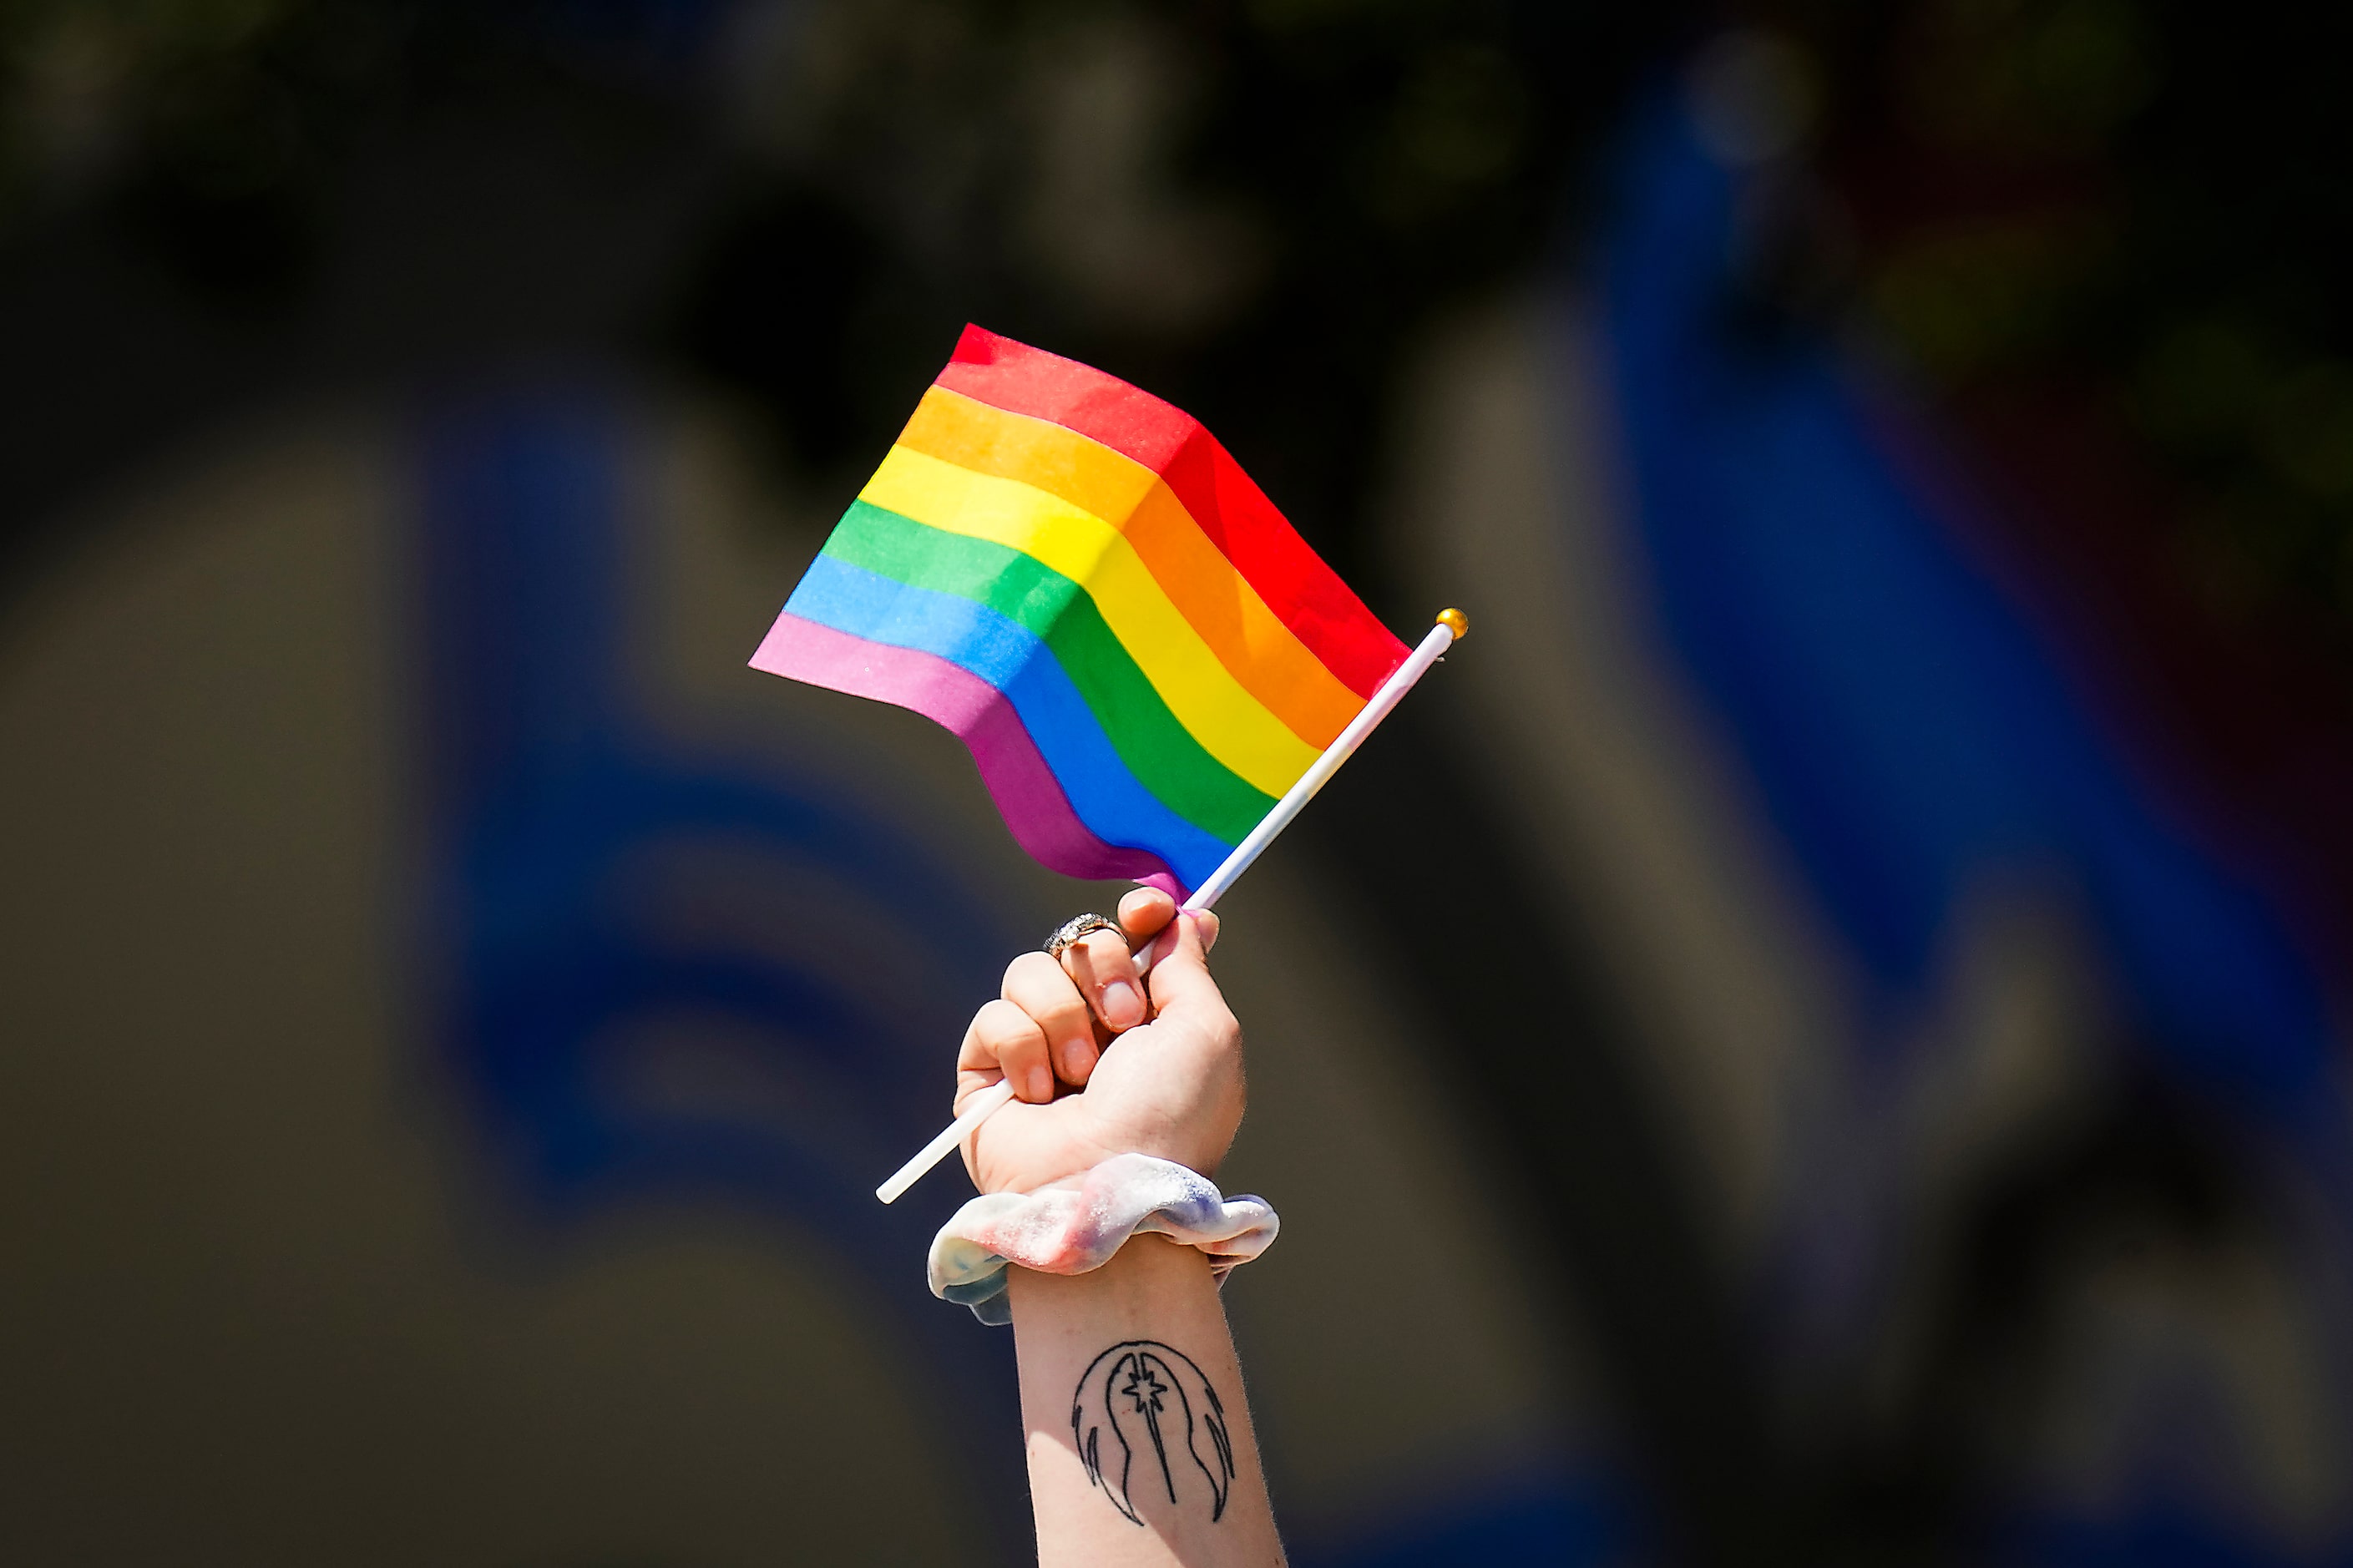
(1076, 1223)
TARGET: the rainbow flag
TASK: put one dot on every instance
(1073, 576)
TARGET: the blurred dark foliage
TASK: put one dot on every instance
(2133, 209)
(1306, 185)
(2142, 201)
(2107, 240)
(2115, 196)
(1300, 188)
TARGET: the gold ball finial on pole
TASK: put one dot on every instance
(1455, 621)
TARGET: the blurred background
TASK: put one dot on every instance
(1817, 1038)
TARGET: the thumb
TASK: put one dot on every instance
(1180, 980)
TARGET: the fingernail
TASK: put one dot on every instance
(1122, 1008)
(1208, 924)
(1041, 1086)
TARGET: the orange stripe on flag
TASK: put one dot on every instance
(1262, 654)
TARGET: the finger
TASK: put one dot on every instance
(1007, 1039)
(1145, 913)
(1039, 986)
(1181, 985)
(1105, 970)
(1208, 921)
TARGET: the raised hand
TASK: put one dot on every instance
(1103, 1063)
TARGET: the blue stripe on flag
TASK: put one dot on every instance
(1109, 799)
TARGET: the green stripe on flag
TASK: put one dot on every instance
(1153, 743)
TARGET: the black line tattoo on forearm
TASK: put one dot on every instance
(1157, 1405)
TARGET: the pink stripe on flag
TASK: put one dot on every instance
(1018, 779)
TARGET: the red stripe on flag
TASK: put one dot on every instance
(1309, 597)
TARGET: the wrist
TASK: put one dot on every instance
(1080, 1224)
(1154, 1289)
(1138, 1276)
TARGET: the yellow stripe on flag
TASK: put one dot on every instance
(1261, 653)
(1231, 725)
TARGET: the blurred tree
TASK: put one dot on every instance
(2136, 205)
(1254, 209)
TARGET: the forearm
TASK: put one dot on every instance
(1141, 1449)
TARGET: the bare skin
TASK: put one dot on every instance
(1141, 1448)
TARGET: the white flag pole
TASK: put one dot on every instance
(1452, 625)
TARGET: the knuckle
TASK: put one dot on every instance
(1049, 996)
(1001, 1024)
(1026, 967)
(1067, 1018)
